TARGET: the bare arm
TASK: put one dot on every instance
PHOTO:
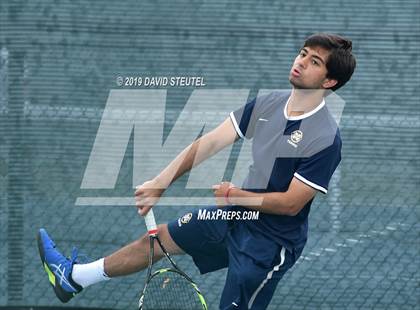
(198, 151)
(281, 203)
(149, 192)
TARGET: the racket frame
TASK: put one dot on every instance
(153, 235)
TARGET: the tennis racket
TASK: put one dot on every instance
(167, 288)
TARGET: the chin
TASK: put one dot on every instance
(295, 84)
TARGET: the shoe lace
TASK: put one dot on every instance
(78, 258)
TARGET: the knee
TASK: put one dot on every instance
(162, 229)
(143, 242)
(141, 245)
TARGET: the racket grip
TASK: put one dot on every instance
(149, 218)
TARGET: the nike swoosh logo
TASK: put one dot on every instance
(263, 119)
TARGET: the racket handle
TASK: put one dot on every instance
(149, 218)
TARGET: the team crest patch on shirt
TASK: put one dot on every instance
(295, 137)
(184, 219)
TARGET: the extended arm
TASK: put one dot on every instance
(149, 192)
(198, 151)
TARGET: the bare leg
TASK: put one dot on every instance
(135, 256)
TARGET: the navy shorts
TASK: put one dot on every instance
(255, 263)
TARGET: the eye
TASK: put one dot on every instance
(315, 63)
(302, 53)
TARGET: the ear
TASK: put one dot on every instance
(328, 83)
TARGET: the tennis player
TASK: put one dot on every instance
(296, 148)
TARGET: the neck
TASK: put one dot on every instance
(302, 101)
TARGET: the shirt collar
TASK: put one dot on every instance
(304, 115)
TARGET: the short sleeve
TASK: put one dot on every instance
(243, 119)
(246, 117)
(317, 170)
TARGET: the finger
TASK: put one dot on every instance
(141, 202)
(216, 187)
(143, 211)
(141, 195)
(139, 189)
(140, 212)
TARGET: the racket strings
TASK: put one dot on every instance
(170, 290)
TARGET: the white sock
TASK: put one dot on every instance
(88, 274)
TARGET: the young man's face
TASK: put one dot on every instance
(309, 69)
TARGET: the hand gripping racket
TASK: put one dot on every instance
(167, 288)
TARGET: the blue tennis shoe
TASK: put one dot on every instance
(58, 267)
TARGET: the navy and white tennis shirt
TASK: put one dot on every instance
(307, 147)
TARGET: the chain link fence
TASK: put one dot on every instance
(363, 249)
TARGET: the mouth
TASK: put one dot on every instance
(295, 72)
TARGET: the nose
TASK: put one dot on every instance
(302, 62)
